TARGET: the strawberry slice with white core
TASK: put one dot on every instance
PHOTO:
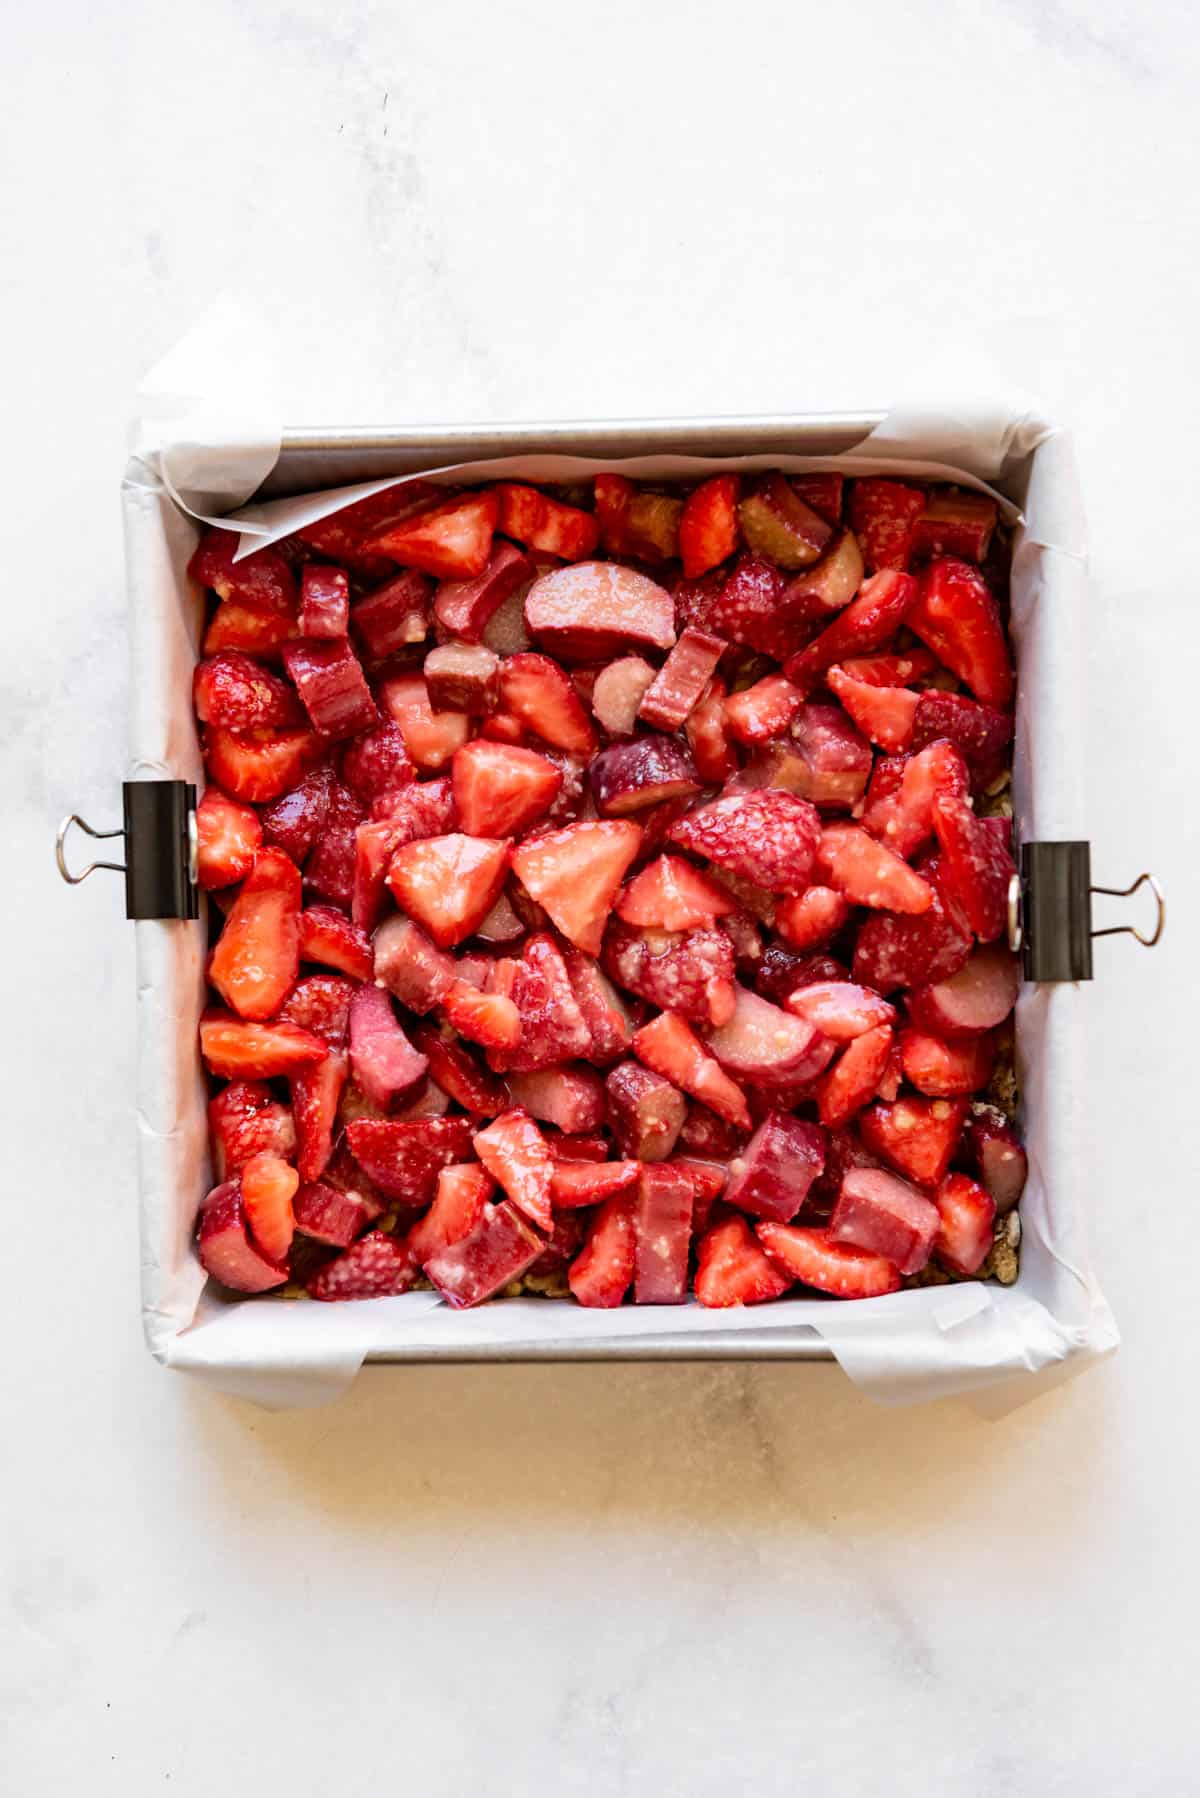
(449, 884)
(268, 1188)
(245, 1119)
(260, 765)
(772, 1175)
(816, 1259)
(316, 1096)
(385, 1064)
(328, 936)
(886, 1216)
(672, 894)
(966, 1213)
(490, 1019)
(758, 713)
(458, 1208)
(431, 738)
(811, 920)
(868, 622)
(867, 873)
(236, 1049)
(514, 1152)
(885, 714)
(499, 789)
(708, 525)
(405, 1156)
(957, 616)
(453, 540)
(663, 1234)
(943, 1070)
(853, 1080)
(839, 1009)
(669, 1047)
(502, 1246)
(545, 524)
(602, 1272)
(733, 1269)
(538, 692)
(576, 874)
(978, 868)
(228, 836)
(255, 962)
(225, 1249)
(576, 1184)
(917, 1136)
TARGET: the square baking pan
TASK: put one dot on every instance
(1053, 1312)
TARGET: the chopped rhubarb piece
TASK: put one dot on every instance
(810, 598)
(732, 1268)
(811, 920)
(244, 1119)
(545, 524)
(743, 933)
(783, 972)
(980, 732)
(762, 1044)
(596, 609)
(892, 1078)
(708, 736)
(672, 894)
(538, 692)
(259, 767)
(707, 1135)
(296, 819)
(328, 1215)
(708, 525)
(425, 809)
(892, 670)
(570, 1098)
(553, 1027)
(834, 758)
(576, 874)
(411, 966)
(502, 924)
(329, 870)
(669, 1047)
(404, 1158)
(868, 873)
(839, 1009)
(514, 1152)
(448, 884)
(458, 1072)
(943, 1070)
(769, 837)
(955, 524)
(602, 1273)
(228, 836)
(748, 609)
(917, 1136)
(225, 1249)
(385, 1064)
(499, 790)
(237, 1050)
(328, 936)
(682, 681)
(453, 540)
(487, 1018)
(647, 771)
(464, 608)
(957, 616)
(815, 1259)
(762, 711)
(332, 687)
(691, 974)
(966, 1213)
(604, 1013)
(430, 737)
(575, 1184)
(316, 1098)
(462, 677)
(268, 1188)
(645, 1111)
(771, 1176)
(976, 866)
(457, 1210)
(234, 692)
(662, 1222)
(823, 492)
(974, 999)
(997, 1154)
(893, 951)
(394, 615)
(613, 497)
(843, 1151)
(885, 714)
(778, 525)
(377, 762)
(708, 1181)
(237, 626)
(887, 1216)
(377, 1266)
(853, 1080)
(884, 515)
(324, 601)
(374, 845)
(501, 1247)
(899, 808)
(867, 623)
(262, 581)
(255, 962)
(618, 692)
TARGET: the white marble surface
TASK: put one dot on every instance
(605, 1581)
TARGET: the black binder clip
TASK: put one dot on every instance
(160, 865)
(1050, 911)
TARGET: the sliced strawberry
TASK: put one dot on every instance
(689, 973)
(708, 525)
(329, 870)
(764, 1045)
(883, 515)
(868, 873)
(917, 1136)
(980, 732)
(404, 1158)
(772, 1175)
(487, 1018)
(904, 670)
(996, 1153)
(957, 616)
(227, 839)
(576, 874)
(733, 1269)
(262, 581)
(430, 737)
(829, 760)
(458, 1072)
(943, 1070)
(749, 609)
(536, 690)
(234, 692)
(464, 608)
(425, 809)
(241, 627)
(328, 936)
(341, 537)
(669, 1047)
(976, 865)
(671, 894)
(823, 492)
(885, 714)
(899, 808)
(237, 1050)
(853, 1080)
(708, 1181)
(602, 1273)
(225, 1249)
(576, 1184)
(553, 1027)
(974, 999)
(708, 735)
(457, 1210)
(345, 1175)
(815, 1259)
(965, 1214)
(377, 1266)
(255, 962)
(769, 837)
(680, 684)
(453, 540)
(514, 1152)
(258, 767)
(374, 845)
(604, 1012)
(385, 1063)
(839, 1009)
(762, 711)
(268, 1188)
(378, 762)
(498, 790)
(296, 819)
(327, 1215)
(955, 524)
(324, 601)
(545, 524)
(885, 1216)
(778, 525)
(321, 1003)
(332, 687)
(316, 1096)
(893, 951)
(811, 920)
(393, 616)
(645, 1111)
(448, 884)
(462, 677)
(501, 1247)
(572, 1099)
(244, 1120)
(867, 623)
(662, 1223)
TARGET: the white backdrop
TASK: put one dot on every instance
(632, 1581)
